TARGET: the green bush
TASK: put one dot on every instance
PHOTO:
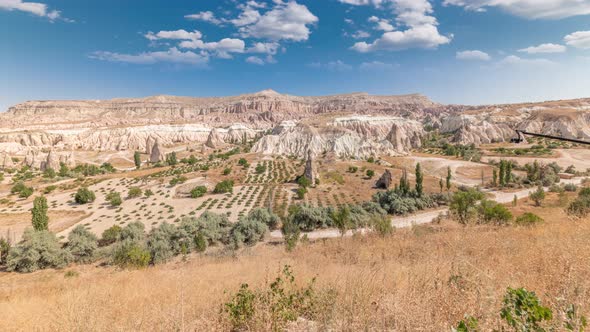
(260, 168)
(523, 311)
(134, 192)
(580, 207)
(303, 182)
(17, 188)
(528, 219)
(131, 254)
(49, 189)
(114, 198)
(49, 173)
(291, 233)
(309, 218)
(352, 169)
(134, 231)
(227, 171)
(37, 250)
(265, 216)
(199, 191)
(381, 225)
(370, 173)
(111, 235)
(26, 193)
(200, 242)
(178, 180)
(148, 193)
(492, 212)
(82, 244)
(463, 205)
(223, 187)
(538, 196)
(214, 227)
(273, 308)
(40, 219)
(300, 192)
(161, 243)
(248, 231)
(84, 196)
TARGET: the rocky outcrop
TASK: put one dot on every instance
(6, 161)
(51, 162)
(310, 172)
(214, 140)
(156, 154)
(385, 180)
(351, 137)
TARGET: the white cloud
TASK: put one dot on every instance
(544, 48)
(337, 65)
(361, 35)
(267, 48)
(376, 3)
(578, 39)
(172, 55)
(416, 16)
(532, 9)
(207, 16)
(473, 55)
(255, 60)
(381, 24)
(35, 8)
(378, 66)
(515, 60)
(285, 21)
(177, 34)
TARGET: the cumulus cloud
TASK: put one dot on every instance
(176, 34)
(544, 48)
(578, 39)
(173, 55)
(255, 60)
(361, 35)
(545, 9)
(381, 24)
(473, 55)
(207, 16)
(35, 8)
(285, 21)
(421, 28)
(192, 40)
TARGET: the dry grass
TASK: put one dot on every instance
(421, 279)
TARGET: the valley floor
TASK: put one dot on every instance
(424, 278)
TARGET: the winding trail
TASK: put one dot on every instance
(419, 218)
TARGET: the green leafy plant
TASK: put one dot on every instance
(522, 310)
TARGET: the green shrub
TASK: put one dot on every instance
(580, 207)
(160, 243)
(273, 308)
(265, 216)
(111, 235)
(134, 192)
(227, 171)
(178, 180)
(303, 182)
(260, 168)
(309, 218)
(200, 243)
(300, 192)
(528, 219)
(381, 224)
(5, 246)
(370, 173)
(469, 324)
(26, 193)
(214, 227)
(223, 187)
(492, 212)
(82, 244)
(199, 191)
(114, 198)
(84, 196)
(49, 173)
(352, 169)
(463, 205)
(248, 231)
(291, 233)
(49, 189)
(37, 250)
(523, 311)
(131, 254)
(17, 188)
(134, 231)
(148, 193)
(538, 196)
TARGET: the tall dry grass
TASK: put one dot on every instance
(422, 279)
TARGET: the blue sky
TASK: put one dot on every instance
(454, 51)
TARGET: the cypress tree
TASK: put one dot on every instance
(39, 214)
(137, 159)
(419, 180)
(449, 178)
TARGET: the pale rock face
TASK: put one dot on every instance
(6, 161)
(214, 140)
(310, 172)
(156, 156)
(354, 137)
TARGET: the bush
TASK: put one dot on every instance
(148, 193)
(82, 244)
(303, 182)
(49, 173)
(265, 216)
(528, 219)
(523, 311)
(111, 235)
(84, 196)
(248, 231)
(37, 250)
(538, 196)
(200, 242)
(370, 173)
(17, 188)
(402, 202)
(161, 243)
(580, 207)
(178, 180)
(492, 212)
(134, 192)
(49, 189)
(570, 187)
(382, 225)
(260, 168)
(463, 205)
(134, 231)
(215, 228)
(114, 198)
(223, 187)
(309, 218)
(4, 250)
(131, 254)
(26, 193)
(273, 308)
(291, 233)
(227, 171)
(300, 192)
(199, 191)
(352, 169)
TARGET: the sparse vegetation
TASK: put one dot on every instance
(84, 196)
